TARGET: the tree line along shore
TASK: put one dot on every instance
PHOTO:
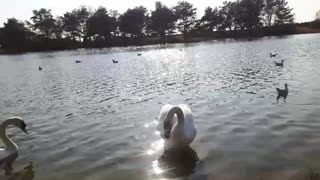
(84, 28)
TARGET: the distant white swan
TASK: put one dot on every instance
(10, 152)
(177, 125)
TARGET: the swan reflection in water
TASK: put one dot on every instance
(26, 173)
(174, 163)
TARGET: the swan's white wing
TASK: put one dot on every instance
(164, 111)
(189, 126)
(4, 155)
(187, 112)
(188, 116)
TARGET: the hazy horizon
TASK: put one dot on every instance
(22, 10)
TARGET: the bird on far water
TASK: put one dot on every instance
(273, 55)
(279, 63)
(283, 93)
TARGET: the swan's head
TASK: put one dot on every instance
(18, 122)
(282, 60)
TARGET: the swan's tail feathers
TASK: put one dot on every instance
(278, 90)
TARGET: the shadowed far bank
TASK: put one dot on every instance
(38, 45)
(84, 28)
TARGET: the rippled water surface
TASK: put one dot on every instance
(97, 120)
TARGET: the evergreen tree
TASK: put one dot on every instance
(162, 20)
(133, 21)
(186, 15)
(283, 14)
(13, 35)
(211, 18)
(43, 22)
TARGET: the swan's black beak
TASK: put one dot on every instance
(23, 127)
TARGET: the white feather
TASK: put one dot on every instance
(180, 135)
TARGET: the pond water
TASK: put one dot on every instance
(97, 120)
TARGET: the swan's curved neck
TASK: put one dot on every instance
(9, 144)
(178, 111)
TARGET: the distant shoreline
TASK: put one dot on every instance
(179, 39)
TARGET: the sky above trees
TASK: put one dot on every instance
(305, 10)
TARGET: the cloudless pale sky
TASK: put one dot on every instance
(305, 10)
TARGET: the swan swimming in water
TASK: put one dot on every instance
(177, 125)
(9, 153)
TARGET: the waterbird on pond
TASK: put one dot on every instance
(78, 61)
(177, 125)
(40, 68)
(279, 63)
(273, 55)
(283, 93)
(9, 153)
(114, 61)
(139, 54)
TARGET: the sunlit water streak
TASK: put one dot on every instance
(97, 119)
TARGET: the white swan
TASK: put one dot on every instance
(9, 154)
(176, 125)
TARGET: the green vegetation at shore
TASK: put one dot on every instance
(82, 28)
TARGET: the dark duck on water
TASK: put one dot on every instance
(273, 55)
(279, 63)
(283, 93)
